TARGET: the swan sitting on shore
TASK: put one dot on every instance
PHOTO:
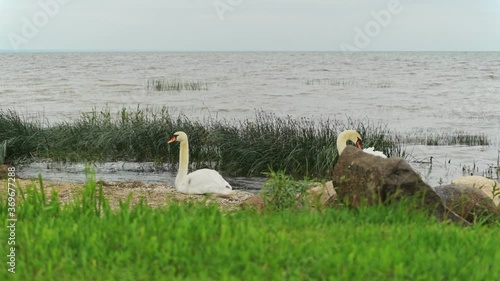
(355, 137)
(200, 181)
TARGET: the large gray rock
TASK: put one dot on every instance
(361, 178)
(468, 202)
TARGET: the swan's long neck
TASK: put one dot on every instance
(183, 162)
(341, 143)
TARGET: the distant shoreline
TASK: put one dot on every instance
(229, 51)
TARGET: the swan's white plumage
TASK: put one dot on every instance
(198, 182)
(204, 181)
(372, 151)
(355, 137)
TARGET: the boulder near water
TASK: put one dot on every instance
(361, 178)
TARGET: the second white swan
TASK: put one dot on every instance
(355, 137)
(200, 181)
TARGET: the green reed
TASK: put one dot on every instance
(281, 192)
(302, 147)
(3, 151)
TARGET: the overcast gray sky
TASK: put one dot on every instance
(247, 25)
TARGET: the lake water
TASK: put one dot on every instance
(407, 91)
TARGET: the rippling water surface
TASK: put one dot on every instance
(406, 91)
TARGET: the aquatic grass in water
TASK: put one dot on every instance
(85, 240)
(446, 138)
(159, 84)
(349, 82)
(331, 82)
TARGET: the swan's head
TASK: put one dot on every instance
(351, 135)
(178, 136)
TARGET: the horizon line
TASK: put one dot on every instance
(231, 51)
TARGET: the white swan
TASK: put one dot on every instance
(355, 137)
(198, 182)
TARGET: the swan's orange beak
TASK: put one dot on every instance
(358, 143)
(171, 140)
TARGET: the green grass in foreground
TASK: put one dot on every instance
(185, 241)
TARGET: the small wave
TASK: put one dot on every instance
(434, 84)
(234, 109)
(305, 93)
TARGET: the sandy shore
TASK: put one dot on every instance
(155, 195)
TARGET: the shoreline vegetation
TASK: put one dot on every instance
(107, 227)
(300, 146)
